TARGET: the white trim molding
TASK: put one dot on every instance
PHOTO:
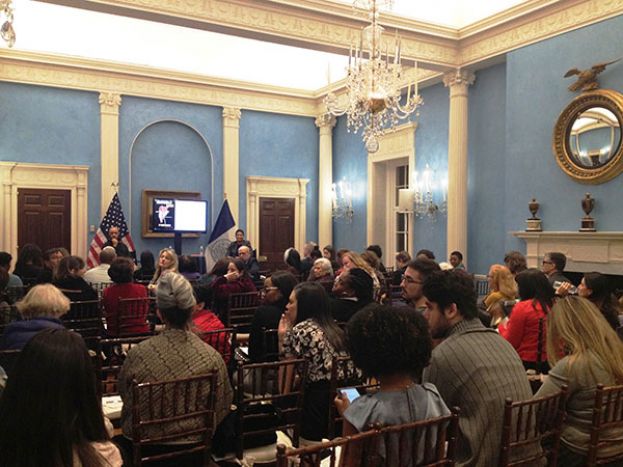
(271, 187)
(16, 175)
(585, 251)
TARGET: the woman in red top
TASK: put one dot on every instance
(530, 314)
(235, 281)
(121, 272)
(203, 321)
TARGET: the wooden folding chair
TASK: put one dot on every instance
(179, 413)
(481, 284)
(607, 418)
(131, 315)
(240, 310)
(278, 385)
(222, 340)
(112, 353)
(427, 443)
(342, 377)
(531, 430)
(85, 318)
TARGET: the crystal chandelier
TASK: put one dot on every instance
(342, 201)
(373, 83)
(6, 30)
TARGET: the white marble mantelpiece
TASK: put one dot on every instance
(585, 251)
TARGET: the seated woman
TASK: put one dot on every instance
(597, 288)
(502, 287)
(236, 280)
(50, 413)
(68, 279)
(188, 268)
(352, 291)
(41, 309)
(373, 335)
(276, 292)
(147, 267)
(329, 253)
(307, 330)
(351, 260)
(402, 259)
(167, 262)
(121, 273)
(203, 320)
(583, 351)
(321, 271)
(522, 329)
(292, 258)
(219, 269)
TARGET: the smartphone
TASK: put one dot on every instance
(350, 393)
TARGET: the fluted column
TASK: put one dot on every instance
(458, 82)
(109, 146)
(325, 124)
(231, 159)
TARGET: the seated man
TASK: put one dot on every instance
(99, 274)
(250, 263)
(553, 266)
(5, 262)
(175, 353)
(473, 368)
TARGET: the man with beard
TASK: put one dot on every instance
(474, 368)
(413, 278)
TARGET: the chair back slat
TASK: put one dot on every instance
(607, 421)
(131, 317)
(279, 385)
(481, 284)
(222, 340)
(85, 317)
(424, 443)
(178, 411)
(241, 309)
(112, 353)
(531, 430)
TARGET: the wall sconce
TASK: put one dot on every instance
(342, 200)
(428, 196)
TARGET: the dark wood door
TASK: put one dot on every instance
(44, 218)
(276, 230)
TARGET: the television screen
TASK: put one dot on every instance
(163, 215)
(190, 215)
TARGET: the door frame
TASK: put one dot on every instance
(273, 187)
(16, 175)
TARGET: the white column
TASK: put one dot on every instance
(109, 146)
(325, 124)
(458, 82)
(231, 160)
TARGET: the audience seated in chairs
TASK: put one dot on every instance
(232, 249)
(167, 262)
(219, 269)
(203, 320)
(29, 263)
(515, 261)
(402, 259)
(466, 376)
(41, 309)
(173, 354)
(329, 253)
(147, 267)
(275, 295)
(373, 337)
(250, 263)
(321, 271)
(352, 260)
(50, 413)
(292, 258)
(583, 351)
(307, 330)
(5, 299)
(502, 286)
(236, 280)
(189, 268)
(68, 279)
(353, 291)
(99, 274)
(526, 328)
(378, 252)
(597, 288)
(51, 260)
(121, 273)
(5, 262)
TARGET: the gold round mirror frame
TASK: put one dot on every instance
(607, 98)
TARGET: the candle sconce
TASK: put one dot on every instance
(427, 198)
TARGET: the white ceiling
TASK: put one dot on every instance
(49, 28)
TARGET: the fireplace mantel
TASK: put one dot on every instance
(585, 251)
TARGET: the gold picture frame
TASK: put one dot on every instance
(148, 197)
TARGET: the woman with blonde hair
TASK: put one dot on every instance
(583, 351)
(167, 262)
(502, 285)
(352, 260)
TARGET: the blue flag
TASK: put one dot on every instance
(220, 237)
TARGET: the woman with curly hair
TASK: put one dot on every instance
(583, 351)
(597, 288)
(502, 286)
(373, 334)
(352, 260)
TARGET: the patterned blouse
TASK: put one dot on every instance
(307, 340)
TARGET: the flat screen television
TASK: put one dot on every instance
(179, 215)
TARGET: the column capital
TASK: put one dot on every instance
(459, 78)
(325, 120)
(110, 102)
(231, 116)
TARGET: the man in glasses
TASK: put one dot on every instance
(412, 280)
(553, 266)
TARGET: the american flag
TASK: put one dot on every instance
(114, 217)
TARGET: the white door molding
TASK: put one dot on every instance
(271, 187)
(16, 175)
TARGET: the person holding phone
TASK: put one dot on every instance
(393, 345)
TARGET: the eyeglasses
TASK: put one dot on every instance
(411, 280)
(548, 262)
(265, 290)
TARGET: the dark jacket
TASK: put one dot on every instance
(265, 317)
(76, 289)
(232, 249)
(343, 309)
(17, 334)
(253, 269)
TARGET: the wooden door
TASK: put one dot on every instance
(44, 218)
(276, 230)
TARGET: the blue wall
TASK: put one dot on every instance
(274, 145)
(537, 93)
(487, 158)
(350, 162)
(52, 126)
(173, 146)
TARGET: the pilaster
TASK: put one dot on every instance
(325, 123)
(231, 159)
(109, 146)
